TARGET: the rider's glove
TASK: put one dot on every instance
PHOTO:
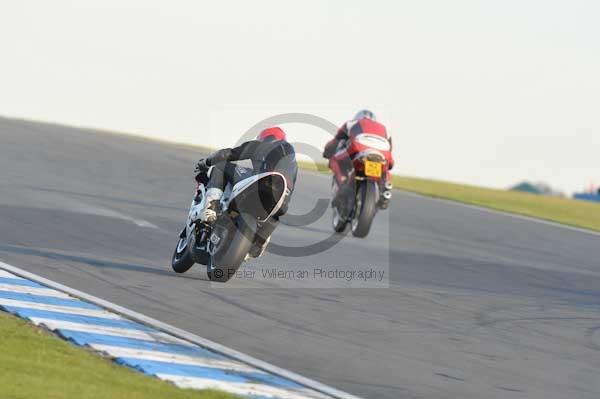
(201, 166)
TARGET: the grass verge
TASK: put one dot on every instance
(35, 364)
(560, 210)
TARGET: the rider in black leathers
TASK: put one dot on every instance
(269, 152)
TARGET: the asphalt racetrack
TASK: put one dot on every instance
(477, 304)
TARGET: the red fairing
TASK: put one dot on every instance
(375, 138)
(368, 126)
(371, 127)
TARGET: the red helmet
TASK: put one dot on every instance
(275, 132)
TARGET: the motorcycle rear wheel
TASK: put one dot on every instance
(366, 208)
(227, 259)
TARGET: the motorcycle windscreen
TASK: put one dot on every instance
(261, 198)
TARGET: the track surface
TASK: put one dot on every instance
(479, 305)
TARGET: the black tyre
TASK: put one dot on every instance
(182, 259)
(232, 248)
(366, 208)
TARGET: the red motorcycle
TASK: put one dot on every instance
(368, 188)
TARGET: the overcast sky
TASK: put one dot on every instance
(483, 92)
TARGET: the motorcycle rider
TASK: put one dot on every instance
(340, 160)
(269, 152)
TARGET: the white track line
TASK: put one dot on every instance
(23, 289)
(182, 334)
(118, 351)
(75, 205)
(240, 388)
(61, 309)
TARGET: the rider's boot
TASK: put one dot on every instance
(337, 199)
(259, 247)
(344, 195)
(211, 205)
(263, 237)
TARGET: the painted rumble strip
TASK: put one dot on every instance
(142, 347)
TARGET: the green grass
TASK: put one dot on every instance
(314, 166)
(555, 209)
(35, 364)
(561, 210)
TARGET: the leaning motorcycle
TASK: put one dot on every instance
(366, 190)
(223, 245)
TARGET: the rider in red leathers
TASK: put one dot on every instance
(336, 150)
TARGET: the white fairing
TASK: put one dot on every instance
(195, 210)
(373, 141)
(231, 193)
(241, 186)
(368, 152)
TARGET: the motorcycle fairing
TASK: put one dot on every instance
(231, 193)
(243, 186)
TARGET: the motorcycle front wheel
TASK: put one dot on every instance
(182, 260)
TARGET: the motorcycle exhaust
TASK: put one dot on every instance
(384, 200)
(389, 186)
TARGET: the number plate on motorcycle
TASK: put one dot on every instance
(373, 169)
